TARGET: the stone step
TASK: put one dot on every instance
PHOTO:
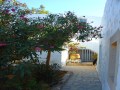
(80, 64)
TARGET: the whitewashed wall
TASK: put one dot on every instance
(64, 57)
(118, 76)
(92, 45)
(55, 57)
(111, 24)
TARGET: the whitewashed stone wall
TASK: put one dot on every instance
(111, 25)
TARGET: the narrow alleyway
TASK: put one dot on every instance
(83, 78)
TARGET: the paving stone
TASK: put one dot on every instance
(83, 78)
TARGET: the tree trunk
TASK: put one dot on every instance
(48, 58)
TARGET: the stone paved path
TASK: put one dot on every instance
(83, 78)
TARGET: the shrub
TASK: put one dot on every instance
(48, 74)
(21, 77)
(30, 76)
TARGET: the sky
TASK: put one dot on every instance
(79, 7)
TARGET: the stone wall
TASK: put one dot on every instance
(111, 26)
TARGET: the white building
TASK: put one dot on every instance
(109, 61)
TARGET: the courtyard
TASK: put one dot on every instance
(64, 45)
(83, 78)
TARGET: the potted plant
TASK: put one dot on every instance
(73, 51)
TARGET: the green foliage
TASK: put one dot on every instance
(16, 33)
(19, 37)
(28, 76)
(25, 77)
(23, 69)
(50, 73)
(24, 73)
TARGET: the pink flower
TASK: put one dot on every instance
(80, 27)
(22, 16)
(6, 11)
(3, 44)
(51, 46)
(14, 36)
(38, 49)
(71, 48)
(40, 26)
(13, 9)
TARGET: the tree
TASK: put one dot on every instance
(40, 10)
(59, 29)
(16, 33)
(33, 10)
(20, 35)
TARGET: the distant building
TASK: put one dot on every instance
(83, 19)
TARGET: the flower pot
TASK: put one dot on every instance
(74, 56)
